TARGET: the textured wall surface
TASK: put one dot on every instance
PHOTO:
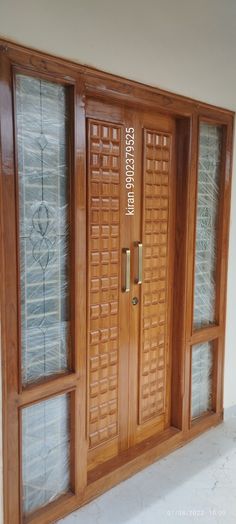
(187, 47)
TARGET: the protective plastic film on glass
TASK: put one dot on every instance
(208, 194)
(43, 185)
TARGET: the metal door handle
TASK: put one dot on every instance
(126, 257)
(139, 278)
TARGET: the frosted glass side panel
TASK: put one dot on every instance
(45, 452)
(202, 378)
(41, 121)
(206, 224)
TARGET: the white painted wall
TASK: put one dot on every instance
(185, 46)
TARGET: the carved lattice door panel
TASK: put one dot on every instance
(128, 329)
(104, 182)
(152, 340)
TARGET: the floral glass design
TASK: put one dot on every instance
(41, 132)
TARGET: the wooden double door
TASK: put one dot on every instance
(130, 258)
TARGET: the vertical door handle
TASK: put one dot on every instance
(126, 269)
(139, 277)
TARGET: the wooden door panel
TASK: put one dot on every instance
(157, 213)
(157, 151)
(104, 151)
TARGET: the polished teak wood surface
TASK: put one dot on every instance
(130, 378)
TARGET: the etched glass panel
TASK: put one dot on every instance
(41, 120)
(202, 378)
(206, 224)
(45, 452)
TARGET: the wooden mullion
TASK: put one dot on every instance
(80, 296)
(39, 392)
(191, 221)
(9, 298)
(180, 298)
(205, 334)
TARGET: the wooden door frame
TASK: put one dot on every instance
(89, 82)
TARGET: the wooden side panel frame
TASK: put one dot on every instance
(14, 397)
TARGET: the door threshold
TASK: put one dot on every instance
(137, 457)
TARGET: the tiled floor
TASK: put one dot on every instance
(196, 483)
